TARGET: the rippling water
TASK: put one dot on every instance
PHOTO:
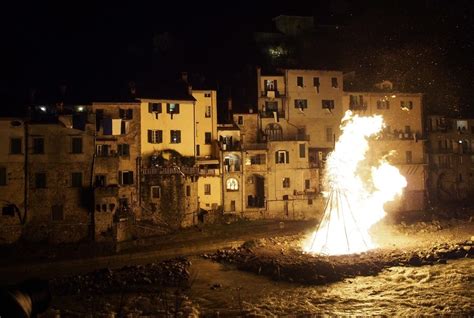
(427, 290)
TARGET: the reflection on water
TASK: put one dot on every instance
(429, 290)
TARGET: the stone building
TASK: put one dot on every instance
(12, 178)
(60, 158)
(115, 168)
(451, 158)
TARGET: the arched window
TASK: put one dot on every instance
(232, 184)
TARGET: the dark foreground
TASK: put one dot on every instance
(419, 269)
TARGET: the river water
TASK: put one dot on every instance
(446, 289)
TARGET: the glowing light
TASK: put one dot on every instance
(42, 108)
(357, 190)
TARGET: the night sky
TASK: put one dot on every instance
(425, 46)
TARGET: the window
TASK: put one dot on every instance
(282, 156)
(383, 104)
(408, 156)
(111, 207)
(76, 179)
(257, 159)
(3, 176)
(271, 106)
(126, 113)
(286, 182)
(407, 130)
(100, 180)
(329, 134)
(232, 184)
(57, 212)
(172, 108)
(40, 180)
(175, 136)
(38, 145)
(307, 184)
(406, 105)
(126, 177)
(299, 81)
(155, 136)
(207, 94)
(356, 102)
(240, 120)
(123, 149)
(316, 83)
(207, 189)
(198, 150)
(102, 150)
(15, 146)
(188, 191)
(334, 83)
(76, 144)
(123, 127)
(155, 108)
(310, 201)
(208, 112)
(9, 210)
(207, 138)
(327, 103)
(301, 103)
(302, 150)
(155, 192)
(270, 85)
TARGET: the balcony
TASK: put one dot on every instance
(230, 146)
(188, 171)
(271, 94)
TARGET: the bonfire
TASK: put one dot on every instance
(356, 190)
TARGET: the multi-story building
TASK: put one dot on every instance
(265, 177)
(178, 155)
(12, 179)
(402, 138)
(115, 167)
(59, 160)
(303, 104)
(451, 158)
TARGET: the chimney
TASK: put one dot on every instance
(190, 90)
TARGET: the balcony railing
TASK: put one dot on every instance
(358, 106)
(271, 94)
(194, 171)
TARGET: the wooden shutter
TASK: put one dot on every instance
(150, 136)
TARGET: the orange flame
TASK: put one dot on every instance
(357, 190)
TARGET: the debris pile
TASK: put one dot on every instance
(170, 273)
(276, 259)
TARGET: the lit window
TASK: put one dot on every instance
(232, 184)
(175, 136)
(172, 108)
